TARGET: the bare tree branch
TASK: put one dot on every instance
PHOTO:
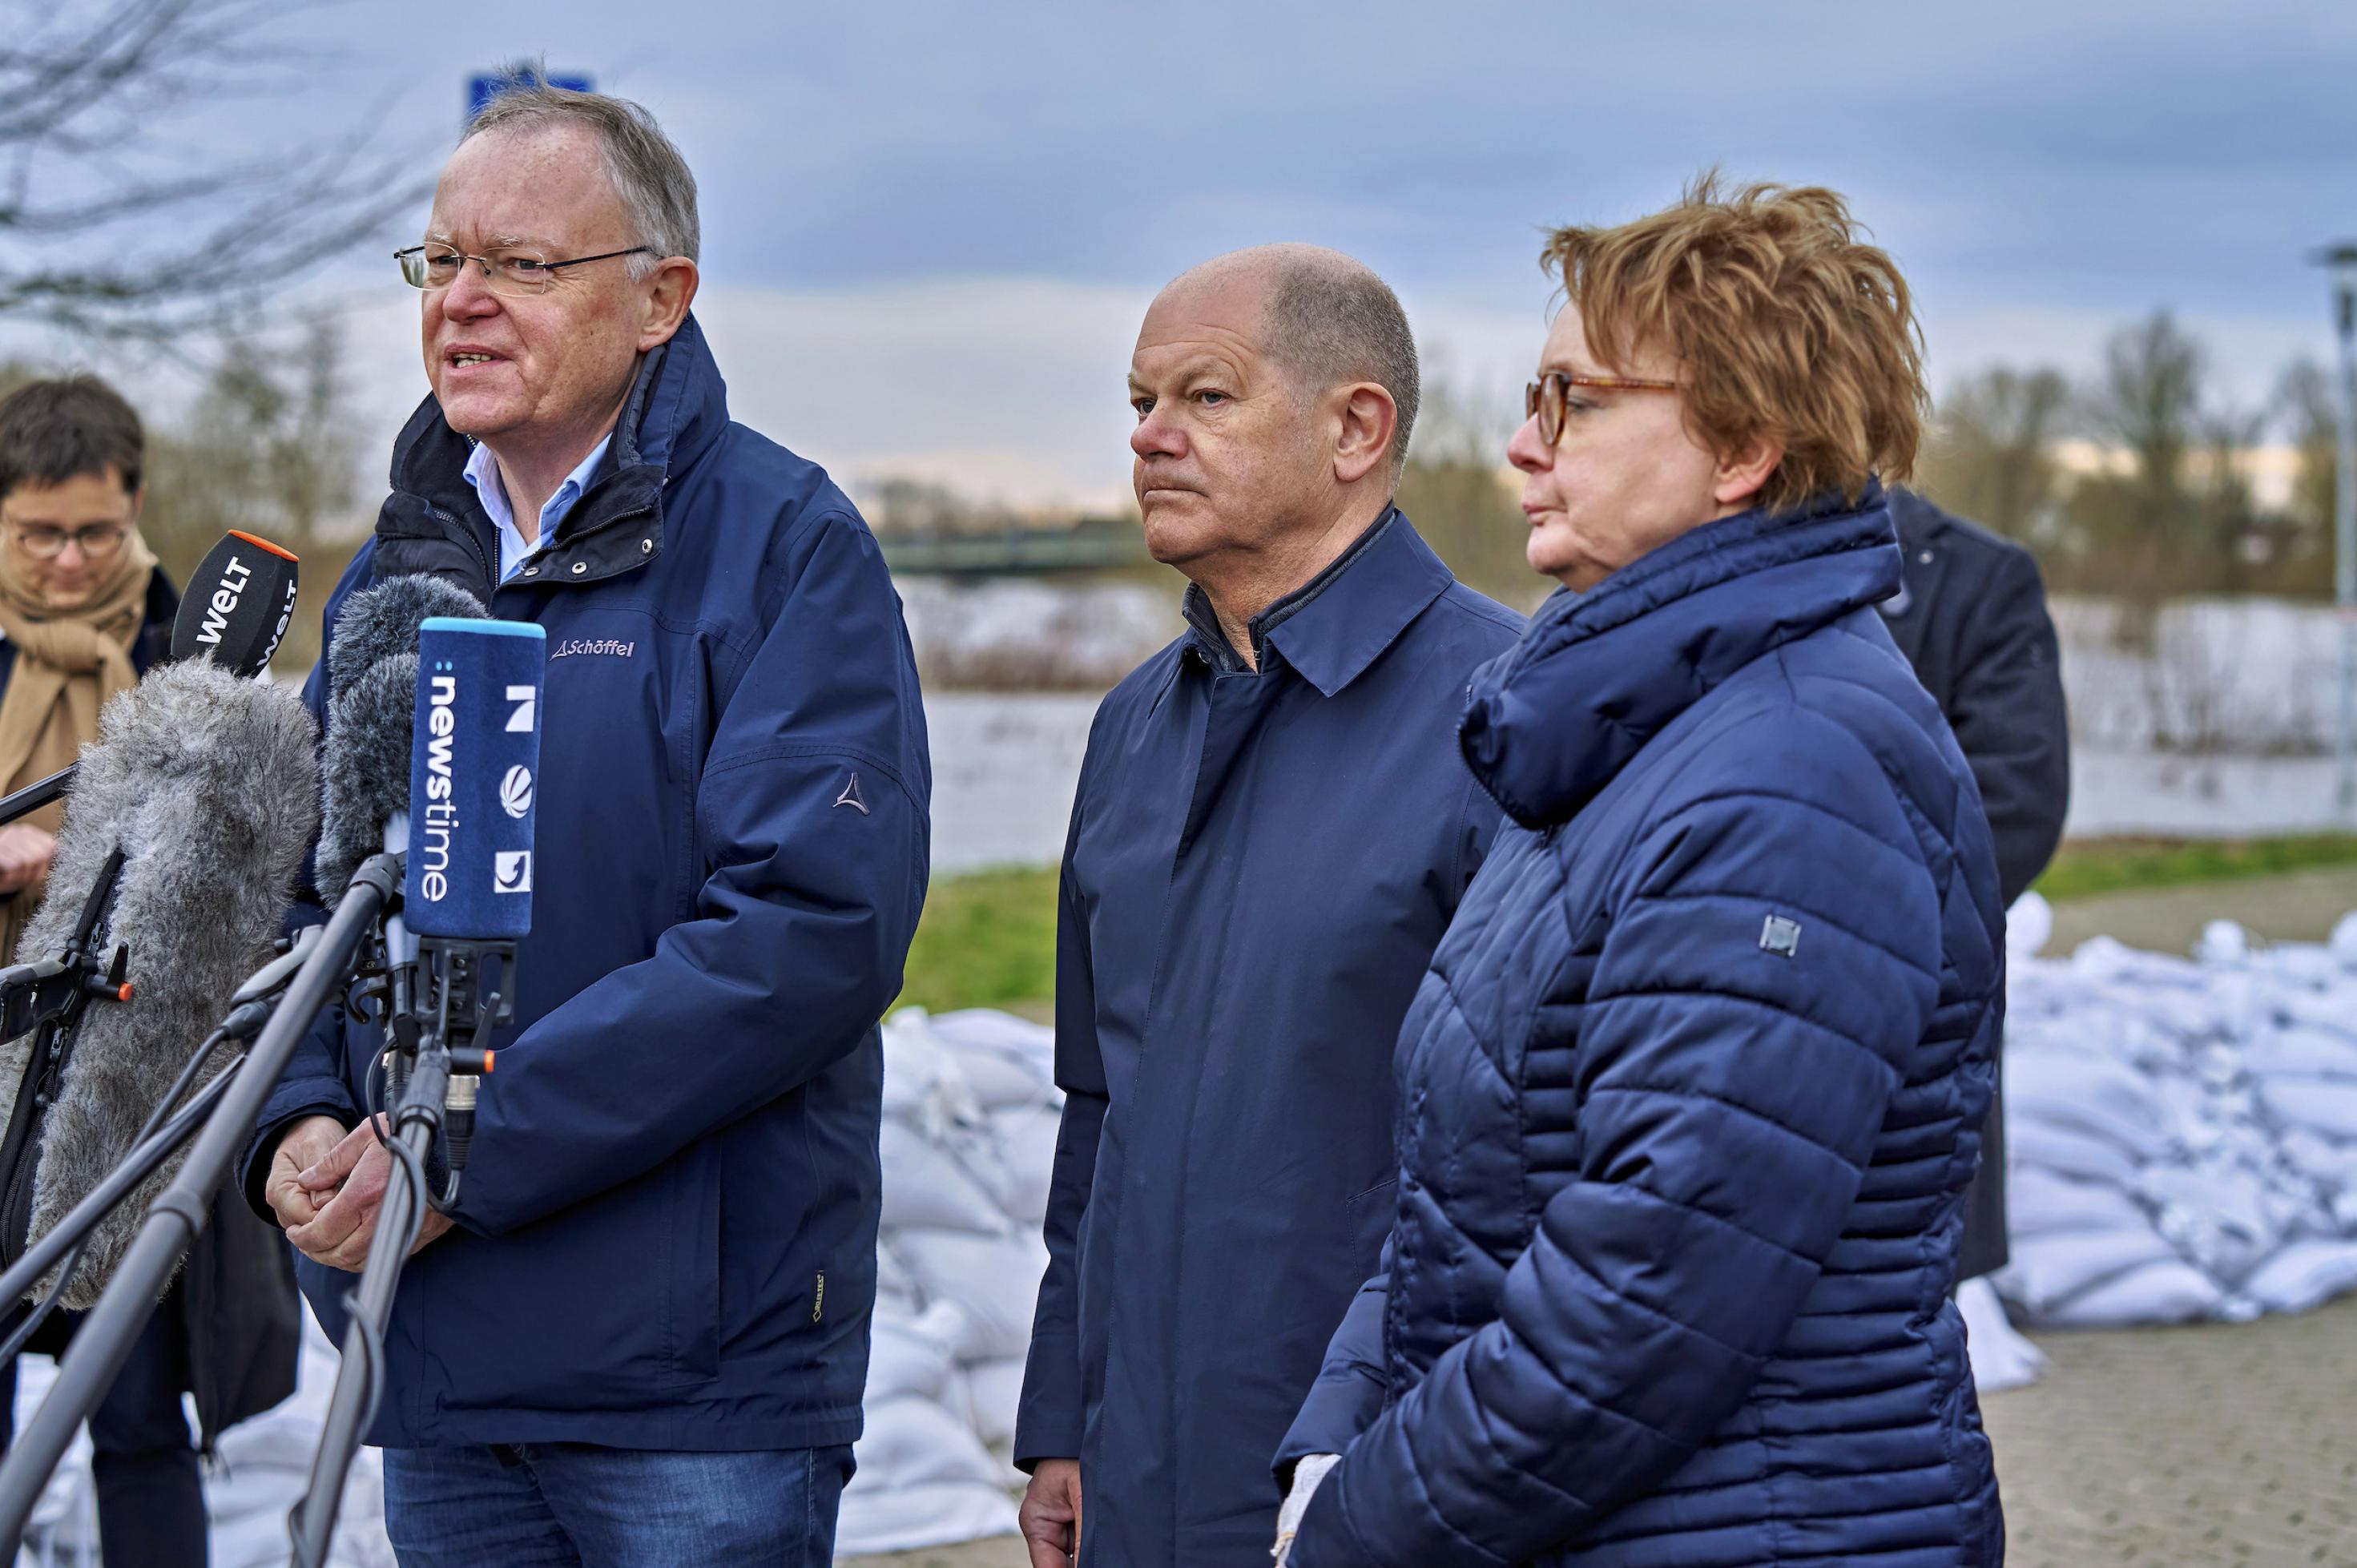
(119, 234)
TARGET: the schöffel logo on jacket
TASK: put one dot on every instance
(605, 645)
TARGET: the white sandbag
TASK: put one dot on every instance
(2301, 1049)
(927, 1513)
(923, 1085)
(1000, 1080)
(2222, 943)
(923, 1479)
(1031, 1046)
(914, 1356)
(926, 1187)
(1025, 1136)
(2066, 1151)
(908, 1440)
(266, 1463)
(2048, 1273)
(2028, 925)
(2220, 1214)
(2168, 1291)
(995, 1281)
(993, 1392)
(2326, 1105)
(2002, 1358)
(64, 1525)
(2041, 1202)
(2090, 1092)
(2303, 1275)
(896, 1287)
(2327, 1161)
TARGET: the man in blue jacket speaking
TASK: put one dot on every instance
(641, 1337)
(1272, 830)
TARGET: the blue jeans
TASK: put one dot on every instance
(570, 1505)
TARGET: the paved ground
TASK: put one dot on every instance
(2185, 1448)
(2209, 1447)
(2301, 907)
(2233, 1446)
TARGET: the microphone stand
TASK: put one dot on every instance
(432, 1074)
(36, 794)
(254, 1003)
(104, 1340)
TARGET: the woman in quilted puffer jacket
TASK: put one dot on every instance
(1689, 1098)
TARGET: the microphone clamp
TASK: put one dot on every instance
(56, 990)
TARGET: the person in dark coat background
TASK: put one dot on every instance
(1691, 1094)
(86, 611)
(1272, 830)
(1971, 617)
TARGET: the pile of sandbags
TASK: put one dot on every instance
(969, 1139)
(2181, 1133)
(261, 1471)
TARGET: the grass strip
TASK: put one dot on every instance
(988, 937)
(2086, 868)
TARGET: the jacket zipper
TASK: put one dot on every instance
(490, 573)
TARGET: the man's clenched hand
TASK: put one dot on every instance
(306, 1144)
(347, 1184)
(1051, 1515)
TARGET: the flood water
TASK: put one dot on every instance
(2223, 729)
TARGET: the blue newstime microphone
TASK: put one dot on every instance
(472, 778)
(467, 898)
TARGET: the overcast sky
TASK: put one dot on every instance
(929, 228)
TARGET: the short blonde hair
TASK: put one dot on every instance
(1788, 325)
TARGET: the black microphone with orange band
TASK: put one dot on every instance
(240, 601)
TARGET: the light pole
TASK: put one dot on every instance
(2342, 261)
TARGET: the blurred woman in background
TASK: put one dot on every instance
(1691, 1094)
(84, 612)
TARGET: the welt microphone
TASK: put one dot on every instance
(240, 600)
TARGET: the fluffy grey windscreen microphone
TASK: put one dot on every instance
(371, 701)
(209, 783)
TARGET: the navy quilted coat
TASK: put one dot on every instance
(1688, 1101)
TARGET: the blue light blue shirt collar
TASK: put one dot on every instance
(482, 471)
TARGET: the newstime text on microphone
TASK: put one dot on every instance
(472, 782)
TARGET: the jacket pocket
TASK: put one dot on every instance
(691, 1306)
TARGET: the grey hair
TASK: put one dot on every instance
(1331, 320)
(657, 188)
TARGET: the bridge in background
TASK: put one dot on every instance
(1094, 545)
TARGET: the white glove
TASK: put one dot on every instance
(1306, 1475)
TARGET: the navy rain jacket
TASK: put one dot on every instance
(1689, 1100)
(666, 1238)
(1259, 867)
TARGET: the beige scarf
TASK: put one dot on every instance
(69, 662)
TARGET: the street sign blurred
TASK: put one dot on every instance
(484, 87)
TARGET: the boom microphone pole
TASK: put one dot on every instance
(252, 1007)
(104, 1340)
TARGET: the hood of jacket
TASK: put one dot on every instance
(1600, 673)
(676, 409)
